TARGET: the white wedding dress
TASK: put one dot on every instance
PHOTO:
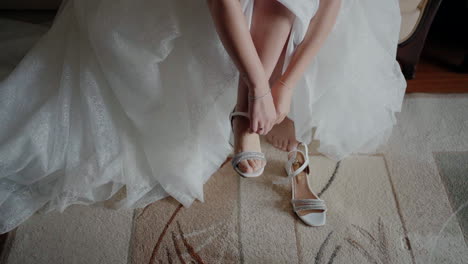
(137, 93)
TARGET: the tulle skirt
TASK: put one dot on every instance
(137, 94)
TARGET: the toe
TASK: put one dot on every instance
(270, 138)
(253, 164)
(280, 144)
(292, 145)
(256, 165)
(241, 166)
(277, 143)
(284, 145)
(245, 167)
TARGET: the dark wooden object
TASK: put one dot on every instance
(437, 78)
(410, 50)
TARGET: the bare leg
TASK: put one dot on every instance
(271, 25)
(282, 136)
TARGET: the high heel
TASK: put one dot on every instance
(245, 155)
(306, 204)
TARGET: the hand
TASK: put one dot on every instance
(282, 96)
(262, 113)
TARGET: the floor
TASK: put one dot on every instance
(434, 76)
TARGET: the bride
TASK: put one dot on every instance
(139, 94)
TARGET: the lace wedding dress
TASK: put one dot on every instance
(137, 94)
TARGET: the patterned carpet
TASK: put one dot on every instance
(251, 220)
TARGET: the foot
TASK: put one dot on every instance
(246, 141)
(282, 136)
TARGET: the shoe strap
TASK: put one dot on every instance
(234, 114)
(290, 162)
(246, 155)
(308, 204)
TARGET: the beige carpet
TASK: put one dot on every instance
(389, 208)
(402, 206)
(251, 220)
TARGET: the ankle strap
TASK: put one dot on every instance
(233, 114)
(289, 163)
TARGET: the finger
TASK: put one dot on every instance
(278, 119)
(253, 125)
(281, 118)
(264, 126)
(261, 128)
(267, 128)
(257, 127)
(270, 126)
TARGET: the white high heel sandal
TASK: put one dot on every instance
(306, 204)
(245, 155)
